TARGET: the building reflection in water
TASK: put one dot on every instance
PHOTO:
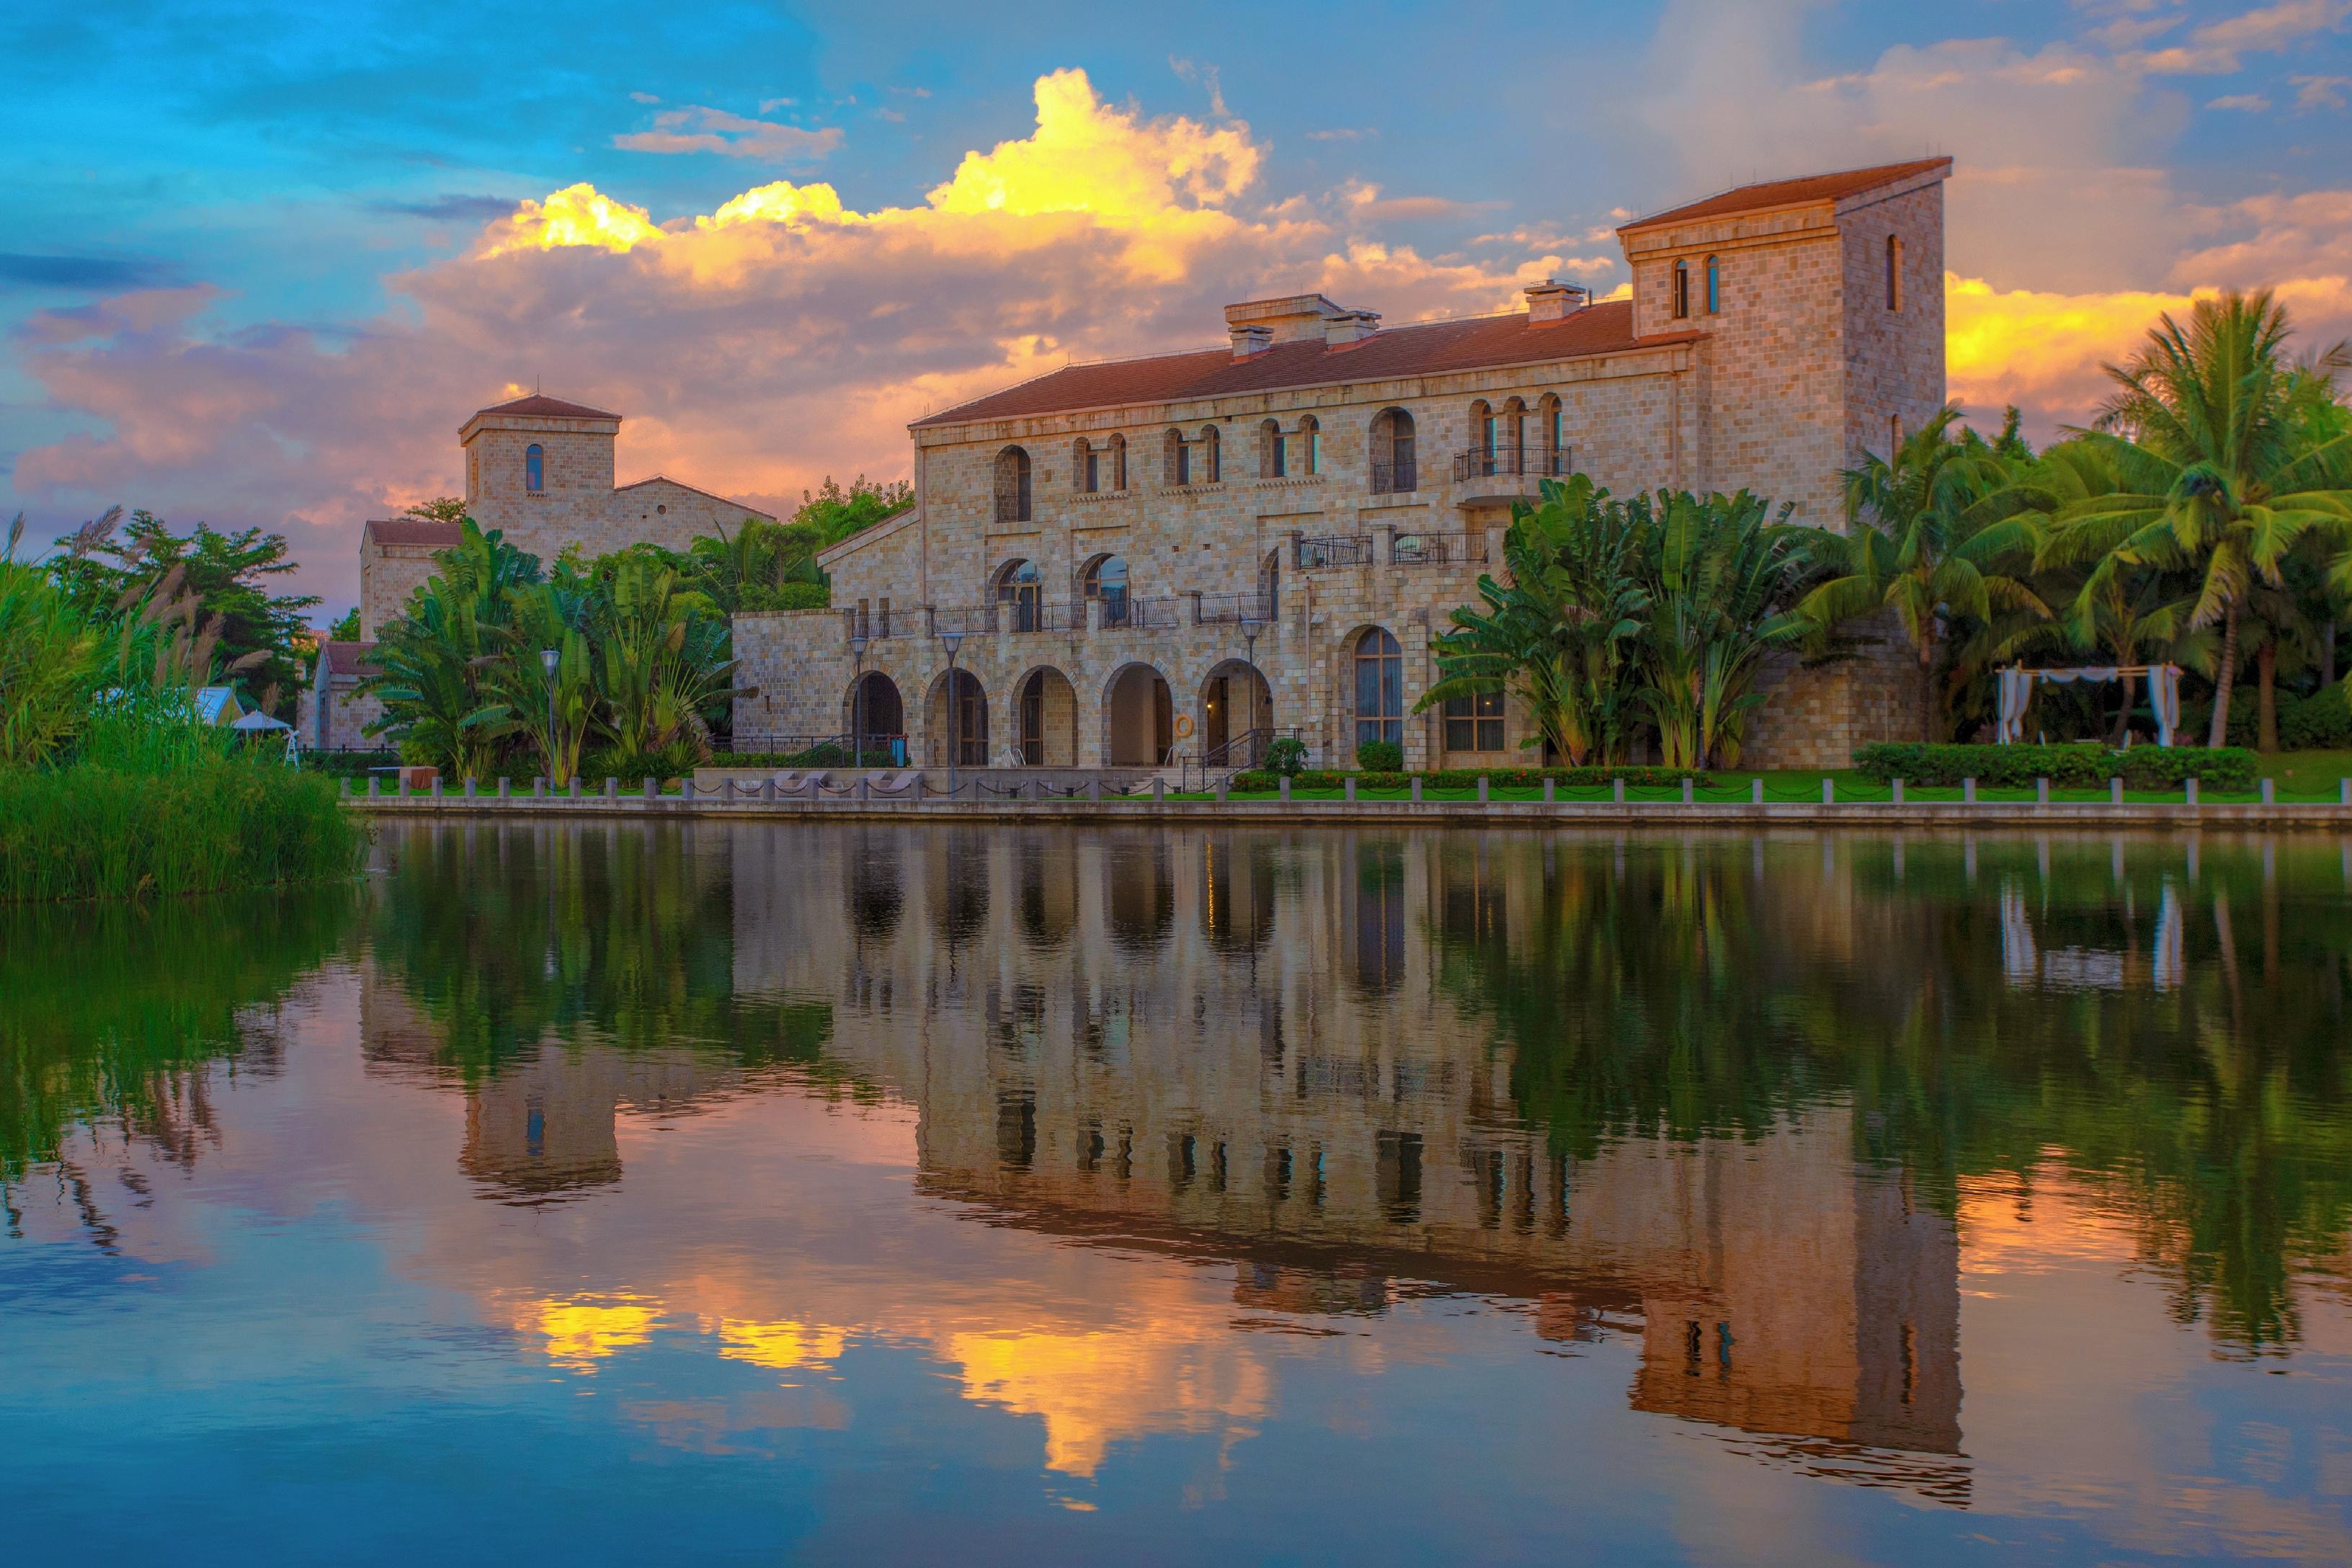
(1632, 1088)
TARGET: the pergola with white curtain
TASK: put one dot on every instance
(2017, 691)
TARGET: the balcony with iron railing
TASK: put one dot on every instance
(861, 621)
(1438, 549)
(1513, 462)
(1332, 550)
(1397, 475)
(1232, 609)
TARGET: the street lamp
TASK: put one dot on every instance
(1249, 641)
(548, 658)
(951, 641)
(858, 646)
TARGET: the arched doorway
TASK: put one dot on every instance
(877, 717)
(1236, 715)
(1045, 707)
(1138, 717)
(959, 726)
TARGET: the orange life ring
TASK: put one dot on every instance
(1183, 726)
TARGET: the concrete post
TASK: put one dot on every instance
(469, 786)
(1416, 787)
(1968, 790)
(611, 789)
(1898, 791)
(864, 788)
(1689, 792)
(1094, 789)
(1549, 793)
(506, 788)
(1482, 789)
(1829, 792)
(2192, 788)
(373, 782)
(653, 791)
(1286, 789)
(343, 786)
(686, 789)
(1158, 784)
(2270, 792)
(1221, 791)
(575, 787)
(1617, 790)
(538, 788)
(768, 790)
(1756, 791)
(400, 784)
(2343, 792)
(1349, 787)
(2115, 792)
(2042, 792)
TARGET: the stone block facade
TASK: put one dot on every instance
(1311, 508)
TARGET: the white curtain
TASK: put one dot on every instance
(2164, 696)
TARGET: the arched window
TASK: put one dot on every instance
(1310, 444)
(1118, 462)
(1106, 579)
(1714, 286)
(1176, 462)
(1682, 291)
(1894, 273)
(1273, 457)
(534, 468)
(1211, 468)
(1513, 444)
(1086, 467)
(1017, 592)
(1380, 688)
(1012, 485)
(1393, 469)
(1554, 421)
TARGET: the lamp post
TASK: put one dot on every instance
(1249, 641)
(951, 641)
(857, 704)
(548, 658)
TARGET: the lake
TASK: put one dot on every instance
(613, 1191)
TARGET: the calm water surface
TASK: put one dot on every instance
(599, 1193)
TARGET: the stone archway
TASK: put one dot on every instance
(877, 715)
(1236, 715)
(1045, 718)
(969, 710)
(1139, 718)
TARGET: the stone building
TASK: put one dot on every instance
(1180, 556)
(540, 470)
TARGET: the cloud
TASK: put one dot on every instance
(1368, 204)
(449, 208)
(2320, 91)
(780, 336)
(22, 270)
(2246, 102)
(652, 98)
(697, 128)
(1343, 134)
(2218, 48)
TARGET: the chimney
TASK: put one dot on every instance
(1350, 326)
(1250, 340)
(1553, 300)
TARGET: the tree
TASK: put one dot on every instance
(1561, 635)
(1922, 542)
(227, 574)
(347, 629)
(2223, 462)
(433, 665)
(1720, 576)
(440, 509)
(764, 565)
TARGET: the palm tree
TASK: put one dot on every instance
(1560, 633)
(433, 665)
(1720, 573)
(2219, 471)
(1923, 543)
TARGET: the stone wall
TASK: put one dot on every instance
(390, 575)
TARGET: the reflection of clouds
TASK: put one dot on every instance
(1094, 1388)
(578, 1331)
(779, 1346)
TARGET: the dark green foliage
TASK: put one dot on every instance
(2321, 721)
(239, 821)
(631, 766)
(1286, 757)
(348, 628)
(2066, 767)
(1380, 756)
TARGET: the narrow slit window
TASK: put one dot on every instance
(1894, 273)
(535, 468)
(1682, 291)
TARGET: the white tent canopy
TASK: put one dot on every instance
(2017, 689)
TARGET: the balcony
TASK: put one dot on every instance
(1512, 462)
(1438, 549)
(1232, 609)
(1401, 476)
(873, 624)
(1333, 550)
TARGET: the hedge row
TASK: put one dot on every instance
(2322, 721)
(1260, 780)
(2066, 767)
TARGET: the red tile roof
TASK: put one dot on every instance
(1794, 193)
(1429, 349)
(345, 658)
(415, 531)
(552, 407)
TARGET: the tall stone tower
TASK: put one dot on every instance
(542, 469)
(1820, 307)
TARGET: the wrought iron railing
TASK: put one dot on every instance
(963, 620)
(1232, 609)
(1438, 549)
(1333, 550)
(871, 624)
(1514, 462)
(1395, 476)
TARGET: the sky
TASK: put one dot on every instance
(262, 259)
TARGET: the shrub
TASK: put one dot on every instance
(1379, 757)
(677, 760)
(1287, 758)
(96, 831)
(2084, 766)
